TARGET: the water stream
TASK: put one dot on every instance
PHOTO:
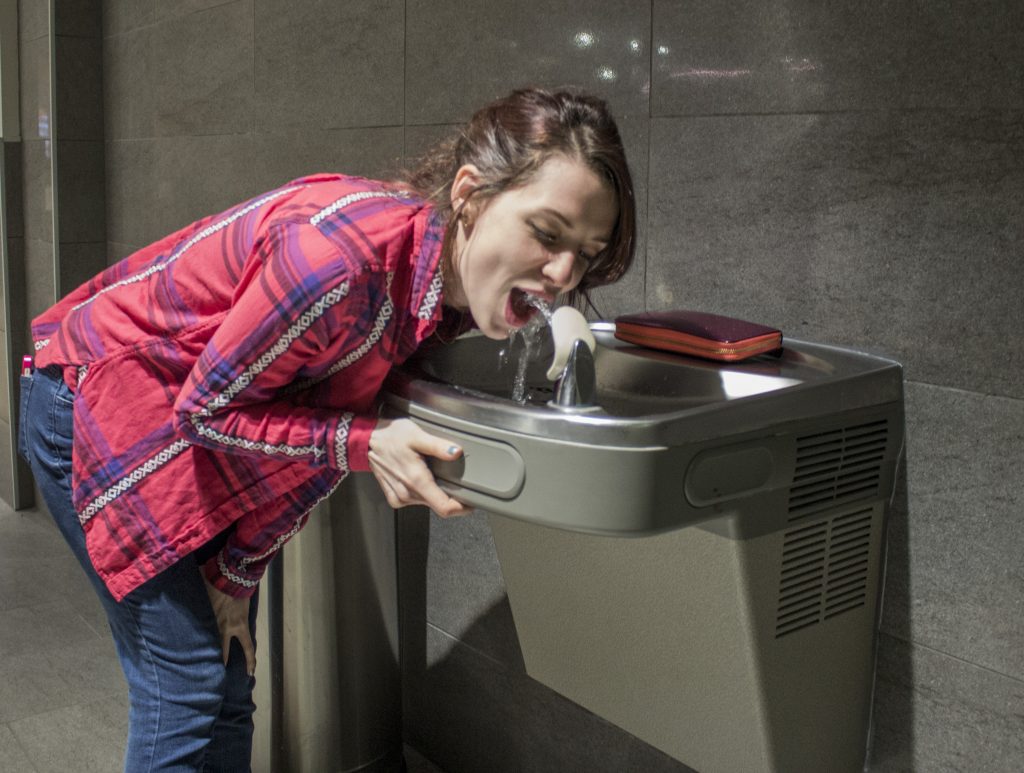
(532, 342)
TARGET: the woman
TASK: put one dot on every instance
(191, 404)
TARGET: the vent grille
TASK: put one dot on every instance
(824, 571)
(836, 467)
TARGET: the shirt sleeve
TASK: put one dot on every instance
(237, 568)
(293, 306)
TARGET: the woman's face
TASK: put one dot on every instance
(533, 240)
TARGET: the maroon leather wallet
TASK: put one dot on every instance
(698, 333)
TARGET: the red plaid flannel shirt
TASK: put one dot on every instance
(227, 374)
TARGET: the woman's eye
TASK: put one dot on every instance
(544, 236)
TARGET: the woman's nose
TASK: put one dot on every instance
(561, 269)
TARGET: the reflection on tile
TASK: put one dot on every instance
(34, 88)
(466, 712)
(742, 57)
(283, 156)
(41, 293)
(938, 713)
(79, 88)
(461, 56)
(126, 15)
(732, 57)
(329, 65)
(81, 737)
(814, 224)
(37, 190)
(81, 215)
(157, 186)
(188, 75)
(964, 539)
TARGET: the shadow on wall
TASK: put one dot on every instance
(893, 735)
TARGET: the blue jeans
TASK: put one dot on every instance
(188, 712)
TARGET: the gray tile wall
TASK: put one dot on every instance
(850, 172)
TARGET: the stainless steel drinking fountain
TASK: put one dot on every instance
(698, 557)
(735, 629)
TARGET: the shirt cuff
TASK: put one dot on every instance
(226, 580)
(358, 442)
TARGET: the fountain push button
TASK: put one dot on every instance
(721, 474)
(486, 466)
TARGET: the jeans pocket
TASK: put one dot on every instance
(25, 389)
(62, 418)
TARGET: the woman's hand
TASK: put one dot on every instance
(233, 623)
(397, 448)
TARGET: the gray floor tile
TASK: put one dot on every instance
(42, 628)
(34, 683)
(12, 756)
(86, 738)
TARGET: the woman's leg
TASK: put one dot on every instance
(165, 632)
(231, 747)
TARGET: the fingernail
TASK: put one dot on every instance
(453, 450)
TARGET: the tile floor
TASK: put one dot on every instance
(63, 701)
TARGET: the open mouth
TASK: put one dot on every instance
(520, 309)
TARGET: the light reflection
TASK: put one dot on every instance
(704, 73)
(607, 74)
(799, 65)
(736, 384)
(634, 46)
(663, 50)
(584, 39)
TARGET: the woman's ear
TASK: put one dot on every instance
(467, 179)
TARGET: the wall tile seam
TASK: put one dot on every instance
(307, 127)
(172, 19)
(460, 643)
(893, 111)
(964, 661)
(963, 391)
(789, 113)
(107, 138)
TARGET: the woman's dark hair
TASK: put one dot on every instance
(511, 138)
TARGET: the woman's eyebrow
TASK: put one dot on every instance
(555, 213)
(603, 240)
